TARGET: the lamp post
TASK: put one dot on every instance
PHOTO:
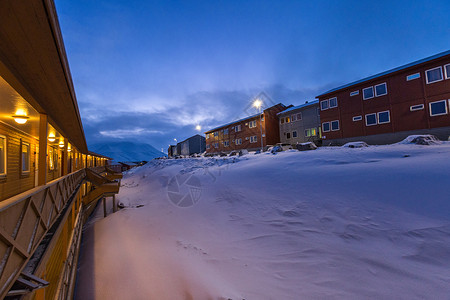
(199, 129)
(258, 104)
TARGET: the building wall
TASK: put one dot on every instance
(310, 120)
(15, 182)
(220, 141)
(401, 95)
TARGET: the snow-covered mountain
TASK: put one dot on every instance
(127, 151)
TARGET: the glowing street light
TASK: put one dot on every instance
(258, 104)
(199, 129)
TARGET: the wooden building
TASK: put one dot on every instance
(49, 182)
(387, 107)
(300, 124)
(246, 133)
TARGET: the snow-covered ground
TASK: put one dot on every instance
(333, 223)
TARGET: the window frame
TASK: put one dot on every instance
(357, 118)
(329, 127)
(293, 118)
(294, 134)
(253, 139)
(282, 120)
(321, 106)
(354, 93)
(238, 128)
(288, 135)
(26, 145)
(446, 74)
(252, 124)
(385, 87)
(225, 131)
(307, 132)
(226, 143)
(373, 93)
(426, 75)
(216, 145)
(376, 120)
(3, 138)
(313, 131)
(329, 102)
(413, 76)
(238, 141)
(299, 116)
(389, 117)
(287, 119)
(440, 114)
(413, 107)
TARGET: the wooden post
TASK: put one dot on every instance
(104, 206)
(42, 159)
(65, 167)
(114, 203)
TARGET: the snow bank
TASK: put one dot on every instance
(335, 223)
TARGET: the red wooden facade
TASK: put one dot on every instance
(246, 133)
(410, 99)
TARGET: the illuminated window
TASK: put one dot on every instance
(25, 157)
(2, 155)
(51, 165)
(288, 119)
(313, 131)
(308, 132)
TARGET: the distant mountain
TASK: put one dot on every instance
(126, 151)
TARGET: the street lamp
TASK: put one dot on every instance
(258, 104)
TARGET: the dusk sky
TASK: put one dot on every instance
(150, 71)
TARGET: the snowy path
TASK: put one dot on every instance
(333, 223)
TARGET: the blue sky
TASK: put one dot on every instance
(150, 71)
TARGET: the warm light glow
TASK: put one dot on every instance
(198, 127)
(51, 137)
(61, 144)
(257, 103)
(20, 116)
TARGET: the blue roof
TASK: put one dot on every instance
(389, 71)
(299, 106)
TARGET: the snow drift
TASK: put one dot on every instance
(335, 223)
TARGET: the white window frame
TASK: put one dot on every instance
(329, 102)
(3, 139)
(252, 124)
(28, 158)
(441, 114)
(216, 145)
(447, 74)
(376, 119)
(238, 141)
(413, 76)
(296, 135)
(331, 125)
(226, 143)
(357, 118)
(375, 89)
(373, 92)
(324, 101)
(253, 139)
(215, 133)
(299, 115)
(227, 131)
(354, 93)
(293, 118)
(238, 128)
(389, 116)
(416, 107)
(426, 75)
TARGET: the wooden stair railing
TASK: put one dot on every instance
(24, 221)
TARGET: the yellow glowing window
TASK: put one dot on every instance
(2, 155)
(25, 157)
(313, 131)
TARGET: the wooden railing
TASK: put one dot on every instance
(24, 221)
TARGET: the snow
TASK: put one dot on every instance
(127, 151)
(335, 223)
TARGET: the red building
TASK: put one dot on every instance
(246, 133)
(387, 107)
